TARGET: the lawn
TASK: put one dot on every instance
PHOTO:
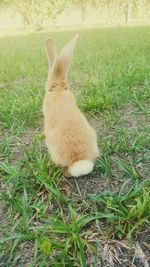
(99, 220)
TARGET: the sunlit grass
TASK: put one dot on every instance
(110, 76)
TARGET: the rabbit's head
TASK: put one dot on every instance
(58, 64)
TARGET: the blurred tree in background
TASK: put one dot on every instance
(127, 9)
(36, 12)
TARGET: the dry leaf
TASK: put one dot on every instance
(67, 190)
(140, 254)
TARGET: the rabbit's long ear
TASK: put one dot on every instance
(65, 57)
(51, 52)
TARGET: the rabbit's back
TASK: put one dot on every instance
(69, 137)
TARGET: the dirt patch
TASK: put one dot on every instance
(99, 125)
(3, 218)
(118, 253)
(26, 251)
(19, 143)
(94, 183)
(132, 118)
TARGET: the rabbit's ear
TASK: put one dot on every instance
(51, 52)
(65, 57)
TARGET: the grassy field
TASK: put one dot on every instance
(99, 220)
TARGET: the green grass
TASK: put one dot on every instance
(111, 77)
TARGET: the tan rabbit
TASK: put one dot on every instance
(71, 141)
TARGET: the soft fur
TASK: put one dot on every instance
(71, 141)
(81, 167)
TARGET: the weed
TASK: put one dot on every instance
(39, 225)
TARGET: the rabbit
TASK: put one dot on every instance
(71, 141)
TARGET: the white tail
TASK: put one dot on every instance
(81, 167)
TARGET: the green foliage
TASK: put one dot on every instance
(128, 210)
(111, 77)
(46, 246)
